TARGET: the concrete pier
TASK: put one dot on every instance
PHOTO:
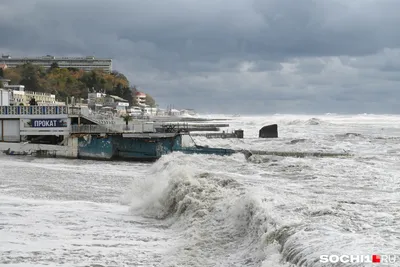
(69, 150)
(235, 134)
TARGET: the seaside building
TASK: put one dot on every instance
(140, 99)
(17, 87)
(84, 63)
(102, 101)
(4, 82)
(96, 100)
(4, 97)
(117, 103)
(19, 98)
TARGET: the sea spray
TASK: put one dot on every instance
(217, 219)
(262, 212)
(271, 210)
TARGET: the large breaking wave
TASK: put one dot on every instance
(219, 221)
(274, 211)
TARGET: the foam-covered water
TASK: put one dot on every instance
(199, 210)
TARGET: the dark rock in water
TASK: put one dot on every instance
(269, 131)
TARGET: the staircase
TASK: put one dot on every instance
(109, 123)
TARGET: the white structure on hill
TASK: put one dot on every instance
(4, 82)
(97, 101)
(84, 63)
(15, 95)
(4, 97)
(140, 99)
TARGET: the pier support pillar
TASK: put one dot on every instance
(239, 133)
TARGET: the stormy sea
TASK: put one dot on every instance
(203, 210)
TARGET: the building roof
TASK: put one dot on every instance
(3, 66)
(118, 98)
(140, 94)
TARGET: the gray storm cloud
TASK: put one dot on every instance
(240, 56)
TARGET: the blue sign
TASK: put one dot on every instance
(55, 123)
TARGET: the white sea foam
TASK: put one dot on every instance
(199, 210)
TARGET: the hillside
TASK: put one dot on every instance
(71, 82)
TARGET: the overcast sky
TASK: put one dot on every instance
(231, 56)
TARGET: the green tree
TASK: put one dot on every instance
(30, 77)
(1, 72)
(67, 82)
(119, 75)
(118, 90)
(1, 84)
(53, 66)
(127, 118)
(73, 69)
(150, 101)
(127, 94)
(13, 74)
(95, 80)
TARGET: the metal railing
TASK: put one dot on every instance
(33, 110)
(94, 128)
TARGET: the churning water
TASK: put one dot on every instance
(199, 210)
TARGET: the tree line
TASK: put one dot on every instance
(67, 82)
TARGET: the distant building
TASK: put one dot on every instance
(4, 82)
(99, 101)
(96, 99)
(140, 99)
(116, 102)
(23, 97)
(18, 96)
(18, 87)
(4, 97)
(84, 63)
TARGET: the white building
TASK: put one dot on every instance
(116, 102)
(150, 110)
(18, 87)
(99, 101)
(4, 97)
(96, 99)
(84, 63)
(4, 82)
(140, 99)
(23, 97)
(135, 111)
